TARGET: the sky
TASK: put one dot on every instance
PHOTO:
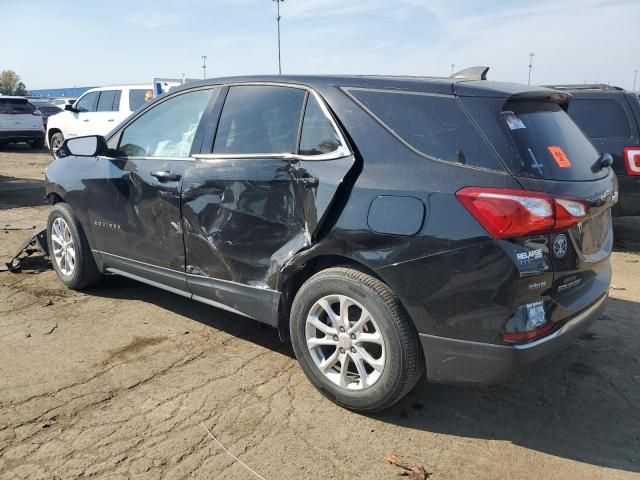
(66, 43)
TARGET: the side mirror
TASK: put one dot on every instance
(91, 146)
(69, 108)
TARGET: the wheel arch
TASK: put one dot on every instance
(293, 277)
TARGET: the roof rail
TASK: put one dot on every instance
(471, 73)
(585, 86)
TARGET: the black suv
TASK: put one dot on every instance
(388, 225)
(610, 117)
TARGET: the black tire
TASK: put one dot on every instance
(404, 363)
(85, 272)
(56, 141)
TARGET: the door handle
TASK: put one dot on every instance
(111, 120)
(85, 120)
(308, 182)
(166, 176)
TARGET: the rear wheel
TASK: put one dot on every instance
(56, 141)
(353, 340)
(69, 249)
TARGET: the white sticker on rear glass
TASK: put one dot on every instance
(513, 121)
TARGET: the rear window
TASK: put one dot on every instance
(15, 106)
(433, 125)
(600, 118)
(549, 144)
(138, 97)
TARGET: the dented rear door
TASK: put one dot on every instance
(258, 198)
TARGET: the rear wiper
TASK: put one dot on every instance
(605, 160)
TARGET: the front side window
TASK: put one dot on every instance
(318, 135)
(259, 119)
(107, 101)
(88, 102)
(167, 129)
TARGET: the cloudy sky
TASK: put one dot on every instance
(96, 42)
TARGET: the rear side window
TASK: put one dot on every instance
(107, 101)
(259, 119)
(549, 144)
(138, 97)
(433, 125)
(318, 135)
(600, 118)
(88, 102)
(15, 106)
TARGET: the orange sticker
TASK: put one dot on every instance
(559, 156)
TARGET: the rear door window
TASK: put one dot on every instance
(433, 125)
(107, 101)
(600, 118)
(15, 106)
(549, 144)
(259, 119)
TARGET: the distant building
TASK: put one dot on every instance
(73, 92)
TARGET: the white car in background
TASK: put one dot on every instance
(96, 112)
(20, 121)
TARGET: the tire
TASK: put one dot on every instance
(82, 272)
(56, 141)
(399, 352)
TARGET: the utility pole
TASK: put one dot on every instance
(531, 55)
(278, 20)
(453, 66)
(635, 77)
(204, 66)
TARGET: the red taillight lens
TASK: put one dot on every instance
(507, 213)
(632, 160)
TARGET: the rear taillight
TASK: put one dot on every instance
(525, 336)
(632, 160)
(507, 213)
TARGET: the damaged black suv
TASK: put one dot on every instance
(391, 226)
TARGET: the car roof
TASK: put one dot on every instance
(131, 85)
(14, 97)
(442, 85)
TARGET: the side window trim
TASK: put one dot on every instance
(340, 152)
(114, 140)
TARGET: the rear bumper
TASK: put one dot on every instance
(465, 362)
(21, 135)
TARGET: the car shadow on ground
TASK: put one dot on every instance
(21, 192)
(582, 403)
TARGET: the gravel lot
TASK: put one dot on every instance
(117, 382)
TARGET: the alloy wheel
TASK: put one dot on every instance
(345, 342)
(64, 251)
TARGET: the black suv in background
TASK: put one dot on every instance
(389, 225)
(610, 117)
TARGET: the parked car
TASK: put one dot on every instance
(390, 226)
(46, 108)
(20, 121)
(96, 112)
(610, 117)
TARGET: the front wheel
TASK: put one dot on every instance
(353, 340)
(69, 249)
(55, 142)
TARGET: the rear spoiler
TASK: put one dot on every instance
(561, 98)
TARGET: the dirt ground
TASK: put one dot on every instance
(118, 381)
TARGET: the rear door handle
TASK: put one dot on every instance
(111, 120)
(85, 120)
(166, 176)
